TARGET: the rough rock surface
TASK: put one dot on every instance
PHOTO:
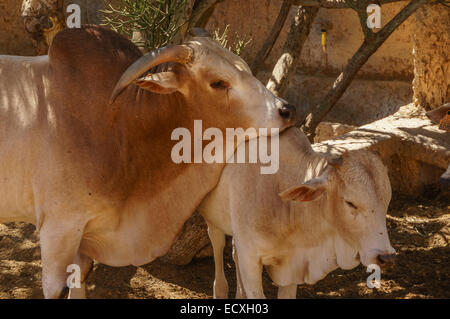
(415, 151)
(432, 56)
(327, 131)
(14, 40)
(42, 19)
(22, 23)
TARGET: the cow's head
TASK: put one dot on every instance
(216, 83)
(358, 193)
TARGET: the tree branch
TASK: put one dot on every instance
(273, 36)
(356, 62)
(202, 12)
(286, 64)
(360, 7)
(445, 3)
(361, 10)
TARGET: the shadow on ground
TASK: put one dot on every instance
(419, 231)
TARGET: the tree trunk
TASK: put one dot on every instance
(195, 14)
(192, 239)
(286, 65)
(184, 16)
(273, 36)
(203, 10)
(369, 47)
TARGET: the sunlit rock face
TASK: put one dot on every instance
(431, 57)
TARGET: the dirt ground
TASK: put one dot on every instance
(419, 230)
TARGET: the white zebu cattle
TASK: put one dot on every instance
(335, 217)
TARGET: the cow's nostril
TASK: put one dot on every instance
(287, 112)
(380, 260)
(386, 260)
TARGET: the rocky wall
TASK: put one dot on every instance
(14, 40)
(431, 84)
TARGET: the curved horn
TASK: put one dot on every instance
(177, 53)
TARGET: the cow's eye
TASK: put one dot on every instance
(351, 204)
(220, 85)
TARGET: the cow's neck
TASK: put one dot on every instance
(298, 161)
(148, 131)
(312, 263)
(320, 248)
(161, 195)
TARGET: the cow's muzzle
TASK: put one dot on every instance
(387, 260)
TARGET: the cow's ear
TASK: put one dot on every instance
(161, 83)
(307, 192)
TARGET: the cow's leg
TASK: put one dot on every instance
(85, 264)
(240, 293)
(217, 238)
(250, 268)
(60, 240)
(287, 292)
